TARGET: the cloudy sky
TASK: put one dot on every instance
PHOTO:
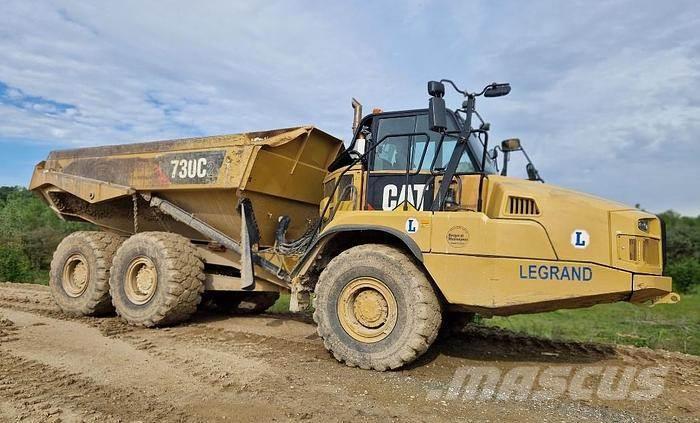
(606, 95)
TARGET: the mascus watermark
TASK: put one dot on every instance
(483, 383)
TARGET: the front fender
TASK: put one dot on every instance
(359, 232)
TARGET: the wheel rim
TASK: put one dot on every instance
(76, 275)
(141, 280)
(367, 310)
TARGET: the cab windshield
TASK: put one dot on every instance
(424, 148)
(477, 150)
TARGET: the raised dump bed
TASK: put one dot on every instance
(279, 171)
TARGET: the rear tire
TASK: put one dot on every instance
(375, 308)
(157, 279)
(79, 276)
(241, 302)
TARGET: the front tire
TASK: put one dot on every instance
(79, 277)
(375, 308)
(157, 279)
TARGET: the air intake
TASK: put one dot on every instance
(519, 206)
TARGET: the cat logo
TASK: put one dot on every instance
(392, 196)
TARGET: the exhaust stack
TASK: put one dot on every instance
(356, 115)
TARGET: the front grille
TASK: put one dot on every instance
(637, 249)
(633, 249)
(650, 251)
(519, 206)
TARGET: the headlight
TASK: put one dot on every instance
(643, 225)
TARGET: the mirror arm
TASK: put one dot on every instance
(464, 93)
(506, 158)
(480, 200)
(457, 153)
(539, 178)
(479, 116)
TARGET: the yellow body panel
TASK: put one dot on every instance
(395, 220)
(475, 233)
(526, 252)
(498, 285)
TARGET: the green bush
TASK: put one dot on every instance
(685, 273)
(682, 250)
(14, 265)
(29, 233)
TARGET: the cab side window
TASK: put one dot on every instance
(392, 153)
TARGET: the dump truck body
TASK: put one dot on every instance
(412, 221)
(276, 169)
(279, 171)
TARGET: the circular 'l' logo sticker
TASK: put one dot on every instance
(580, 238)
(412, 225)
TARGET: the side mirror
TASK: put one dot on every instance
(497, 90)
(532, 173)
(511, 144)
(437, 114)
(436, 89)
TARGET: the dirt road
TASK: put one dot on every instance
(274, 368)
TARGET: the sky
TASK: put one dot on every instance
(605, 98)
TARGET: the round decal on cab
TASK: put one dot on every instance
(580, 238)
(457, 236)
(412, 225)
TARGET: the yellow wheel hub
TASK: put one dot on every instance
(76, 275)
(141, 280)
(367, 309)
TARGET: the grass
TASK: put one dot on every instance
(281, 306)
(673, 327)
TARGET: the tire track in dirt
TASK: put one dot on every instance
(274, 366)
(109, 367)
(39, 392)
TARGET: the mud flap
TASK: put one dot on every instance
(247, 268)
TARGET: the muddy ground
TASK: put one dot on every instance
(274, 368)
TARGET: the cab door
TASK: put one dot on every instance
(396, 185)
(394, 179)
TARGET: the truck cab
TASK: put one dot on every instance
(406, 166)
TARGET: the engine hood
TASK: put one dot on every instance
(549, 192)
(580, 226)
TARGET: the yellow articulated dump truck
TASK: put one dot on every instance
(411, 223)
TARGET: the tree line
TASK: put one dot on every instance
(30, 232)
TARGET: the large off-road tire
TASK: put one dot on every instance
(157, 279)
(241, 302)
(79, 277)
(375, 308)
